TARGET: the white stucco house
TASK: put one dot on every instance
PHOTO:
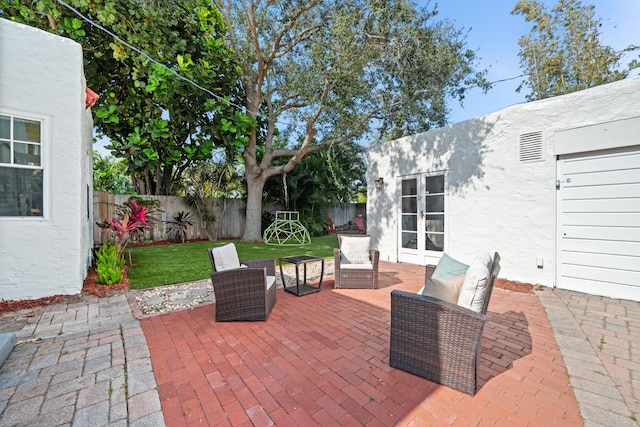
(552, 185)
(46, 187)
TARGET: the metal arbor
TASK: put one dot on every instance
(286, 230)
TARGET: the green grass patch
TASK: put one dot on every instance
(186, 262)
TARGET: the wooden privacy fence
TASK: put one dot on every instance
(341, 215)
(230, 215)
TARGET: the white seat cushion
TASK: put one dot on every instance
(271, 280)
(444, 289)
(355, 250)
(476, 282)
(225, 257)
(367, 266)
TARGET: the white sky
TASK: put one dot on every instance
(494, 33)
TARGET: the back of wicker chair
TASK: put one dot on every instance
(438, 340)
(353, 277)
(241, 293)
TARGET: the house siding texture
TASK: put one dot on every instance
(41, 77)
(494, 202)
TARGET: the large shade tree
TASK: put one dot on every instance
(159, 122)
(335, 70)
(563, 52)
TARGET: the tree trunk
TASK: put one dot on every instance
(253, 225)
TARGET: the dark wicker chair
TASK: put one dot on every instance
(437, 340)
(359, 278)
(242, 293)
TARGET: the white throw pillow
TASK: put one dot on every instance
(225, 257)
(476, 281)
(444, 289)
(355, 250)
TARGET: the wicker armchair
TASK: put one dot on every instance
(438, 340)
(356, 275)
(244, 293)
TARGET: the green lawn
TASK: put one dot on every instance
(185, 262)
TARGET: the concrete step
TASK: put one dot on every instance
(7, 341)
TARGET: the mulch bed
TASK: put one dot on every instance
(510, 285)
(89, 287)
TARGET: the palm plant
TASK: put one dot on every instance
(178, 226)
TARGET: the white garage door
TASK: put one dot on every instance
(599, 223)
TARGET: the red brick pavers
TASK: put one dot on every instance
(322, 359)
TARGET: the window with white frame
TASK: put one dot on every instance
(21, 171)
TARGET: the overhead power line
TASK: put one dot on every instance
(144, 54)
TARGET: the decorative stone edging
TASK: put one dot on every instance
(162, 299)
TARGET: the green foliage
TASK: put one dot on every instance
(109, 263)
(110, 175)
(322, 179)
(178, 226)
(337, 71)
(214, 178)
(316, 225)
(159, 123)
(178, 263)
(563, 52)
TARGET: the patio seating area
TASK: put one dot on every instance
(323, 359)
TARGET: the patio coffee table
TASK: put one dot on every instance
(303, 288)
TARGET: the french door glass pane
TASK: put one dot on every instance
(435, 223)
(409, 187)
(409, 240)
(435, 242)
(410, 222)
(435, 203)
(409, 205)
(435, 184)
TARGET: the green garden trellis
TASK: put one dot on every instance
(286, 230)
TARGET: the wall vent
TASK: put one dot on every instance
(530, 147)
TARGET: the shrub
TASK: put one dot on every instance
(109, 264)
(178, 226)
(128, 225)
(316, 225)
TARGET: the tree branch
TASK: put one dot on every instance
(289, 26)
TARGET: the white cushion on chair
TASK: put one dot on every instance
(355, 250)
(271, 280)
(225, 257)
(444, 289)
(476, 281)
(347, 266)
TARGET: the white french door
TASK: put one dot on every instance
(422, 218)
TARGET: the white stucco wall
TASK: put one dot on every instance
(41, 77)
(494, 202)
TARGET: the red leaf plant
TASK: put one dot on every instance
(129, 224)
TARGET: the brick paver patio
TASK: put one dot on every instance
(322, 359)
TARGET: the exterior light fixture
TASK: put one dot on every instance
(379, 183)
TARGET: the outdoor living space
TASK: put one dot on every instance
(323, 359)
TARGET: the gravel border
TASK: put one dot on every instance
(162, 299)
